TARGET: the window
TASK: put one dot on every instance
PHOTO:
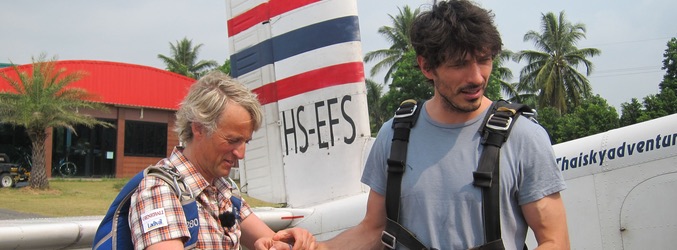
(145, 139)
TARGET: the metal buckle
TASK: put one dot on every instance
(410, 113)
(507, 125)
(177, 177)
(393, 240)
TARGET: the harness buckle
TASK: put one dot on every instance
(388, 240)
(407, 111)
(500, 123)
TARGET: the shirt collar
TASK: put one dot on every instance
(192, 177)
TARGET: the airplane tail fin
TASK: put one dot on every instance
(304, 60)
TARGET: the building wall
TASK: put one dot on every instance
(124, 166)
(128, 166)
(131, 165)
(157, 90)
(172, 137)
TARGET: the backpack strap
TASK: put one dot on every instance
(494, 131)
(405, 119)
(114, 231)
(172, 177)
(186, 197)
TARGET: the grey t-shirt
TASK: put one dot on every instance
(438, 200)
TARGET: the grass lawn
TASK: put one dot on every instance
(72, 197)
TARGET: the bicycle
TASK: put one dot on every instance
(66, 168)
(24, 158)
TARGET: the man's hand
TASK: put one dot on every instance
(270, 244)
(292, 238)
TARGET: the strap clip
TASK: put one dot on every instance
(499, 123)
(406, 109)
(388, 240)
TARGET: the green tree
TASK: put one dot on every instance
(521, 94)
(593, 115)
(398, 36)
(184, 59)
(549, 118)
(630, 112)
(41, 99)
(377, 116)
(670, 66)
(552, 68)
(661, 104)
(225, 68)
(514, 92)
(665, 102)
(498, 81)
(408, 83)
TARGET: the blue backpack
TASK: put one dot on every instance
(114, 232)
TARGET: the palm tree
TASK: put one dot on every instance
(184, 61)
(398, 35)
(500, 75)
(225, 68)
(377, 114)
(552, 69)
(503, 74)
(519, 93)
(41, 99)
(513, 92)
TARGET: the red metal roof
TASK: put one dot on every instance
(122, 84)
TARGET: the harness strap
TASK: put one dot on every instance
(493, 245)
(396, 233)
(490, 194)
(494, 130)
(405, 118)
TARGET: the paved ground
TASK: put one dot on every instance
(6, 214)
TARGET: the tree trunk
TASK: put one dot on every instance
(38, 178)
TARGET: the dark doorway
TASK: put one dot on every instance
(15, 143)
(89, 152)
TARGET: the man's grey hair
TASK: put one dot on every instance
(206, 100)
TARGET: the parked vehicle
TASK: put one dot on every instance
(11, 173)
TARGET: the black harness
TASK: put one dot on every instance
(494, 131)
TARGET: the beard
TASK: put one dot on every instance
(460, 105)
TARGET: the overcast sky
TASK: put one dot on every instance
(631, 34)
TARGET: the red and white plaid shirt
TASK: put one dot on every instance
(155, 199)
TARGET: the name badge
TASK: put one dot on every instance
(154, 219)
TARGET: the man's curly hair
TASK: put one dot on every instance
(451, 30)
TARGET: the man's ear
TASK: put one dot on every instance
(422, 65)
(197, 128)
